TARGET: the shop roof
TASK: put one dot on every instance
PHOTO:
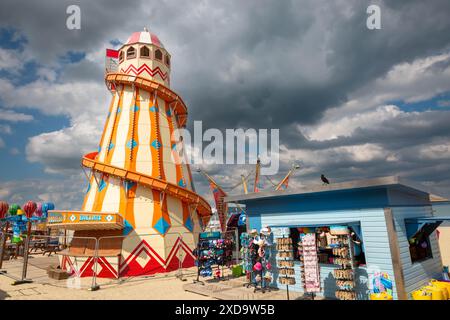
(392, 182)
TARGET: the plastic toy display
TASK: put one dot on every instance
(212, 250)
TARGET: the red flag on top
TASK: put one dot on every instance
(111, 60)
(111, 53)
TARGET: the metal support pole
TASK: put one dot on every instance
(3, 246)
(180, 259)
(94, 285)
(236, 244)
(96, 180)
(88, 178)
(25, 258)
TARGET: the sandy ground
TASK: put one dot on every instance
(151, 288)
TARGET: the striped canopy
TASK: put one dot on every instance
(144, 37)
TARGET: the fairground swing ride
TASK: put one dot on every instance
(228, 221)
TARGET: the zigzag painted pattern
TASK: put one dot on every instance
(144, 67)
(130, 267)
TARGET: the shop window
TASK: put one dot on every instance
(145, 52)
(418, 233)
(121, 57)
(131, 53)
(420, 247)
(324, 241)
(158, 55)
(167, 60)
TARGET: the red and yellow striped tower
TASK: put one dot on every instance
(136, 176)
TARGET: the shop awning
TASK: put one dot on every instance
(80, 220)
(426, 225)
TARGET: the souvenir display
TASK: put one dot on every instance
(256, 253)
(262, 248)
(310, 274)
(245, 253)
(286, 281)
(343, 256)
(212, 251)
(285, 261)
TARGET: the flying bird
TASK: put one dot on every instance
(324, 179)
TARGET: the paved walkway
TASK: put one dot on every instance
(236, 289)
(160, 287)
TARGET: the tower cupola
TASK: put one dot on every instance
(143, 54)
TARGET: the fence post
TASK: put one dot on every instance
(236, 244)
(180, 258)
(25, 259)
(94, 285)
(3, 246)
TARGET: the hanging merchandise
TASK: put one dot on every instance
(245, 253)
(242, 219)
(285, 260)
(260, 253)
(343, 256)
(310, 263)
(212, 251)
(249, 255)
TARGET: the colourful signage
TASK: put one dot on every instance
(74, 217)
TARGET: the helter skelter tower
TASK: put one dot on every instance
(138, 187)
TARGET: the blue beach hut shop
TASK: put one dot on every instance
(369, 236)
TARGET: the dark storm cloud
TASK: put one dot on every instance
(354, 56)
(264, 64)
(409, 129)
(213, 42)
(43, 23)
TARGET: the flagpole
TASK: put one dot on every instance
(255, 186)
(211, 180)
(220, 211)
(294, 167)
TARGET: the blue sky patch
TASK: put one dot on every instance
(435, 103)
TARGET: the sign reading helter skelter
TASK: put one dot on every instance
(140, 201)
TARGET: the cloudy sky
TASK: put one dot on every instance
(350, 102)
